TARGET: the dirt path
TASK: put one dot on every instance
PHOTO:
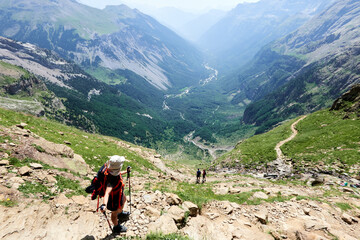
(279, 153)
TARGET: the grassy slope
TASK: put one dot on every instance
(326, 136)
(323, 136)
(258, 149)
(98, 147)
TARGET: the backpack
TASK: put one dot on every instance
(97, 187)
(98, 184)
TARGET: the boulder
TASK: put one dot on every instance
(21, 125)
(260, 195)
(347, 218)
(36, 166)
(81, 200)
(165, 224)
(4, 162)
(152, 212)
(50, 179)
(262, 217)
(177, 213)
(15, 182)
(222, 190)
(62, 200)
(173, 199)
(191, 207)
(24, 171)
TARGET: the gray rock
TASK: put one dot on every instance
(306, 211)
(36, 166)
(262, 217)
(23, 171)
(347, 218)
(192, 208)
(173, 199)
(4, 162)
(164, 224)
(260, 195)
(152, 212)
(177, 213)
(21, 125)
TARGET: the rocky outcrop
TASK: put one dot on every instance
(349, 102)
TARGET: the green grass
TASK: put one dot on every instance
(325, 136)
(33, 189)
(201, 194)
(94, 148)
(74, 186)
(343, 206)
(106, 75)
(161, 236)
(260, 148)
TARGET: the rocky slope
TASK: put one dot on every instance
(115, 38)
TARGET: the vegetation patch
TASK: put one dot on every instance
(94, 148)
(8, 203)
(343, 206)
(73, 187)
(34, 189)
(258, 149)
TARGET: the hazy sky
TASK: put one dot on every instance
(187, 5)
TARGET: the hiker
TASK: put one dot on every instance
(204, 176)
(109, 184)
(198, 175)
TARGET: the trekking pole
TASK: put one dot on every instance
(128, 178)
(106, 219)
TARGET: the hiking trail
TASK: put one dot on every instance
(279, 153)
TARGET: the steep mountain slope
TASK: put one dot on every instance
(243, 31)
(327, 142)
(90, 104)
(24, 92)
(314, 66)
(116, 38)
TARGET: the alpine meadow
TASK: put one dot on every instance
(164, 120)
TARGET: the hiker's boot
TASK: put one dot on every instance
(123, 217)
(119, 229)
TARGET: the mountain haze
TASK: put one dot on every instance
(237, 37)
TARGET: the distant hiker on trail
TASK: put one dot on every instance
(204, 176)
(109, 184)
(198, 175)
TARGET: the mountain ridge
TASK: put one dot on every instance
(114, 38)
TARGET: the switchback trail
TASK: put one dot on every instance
(279, 153)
